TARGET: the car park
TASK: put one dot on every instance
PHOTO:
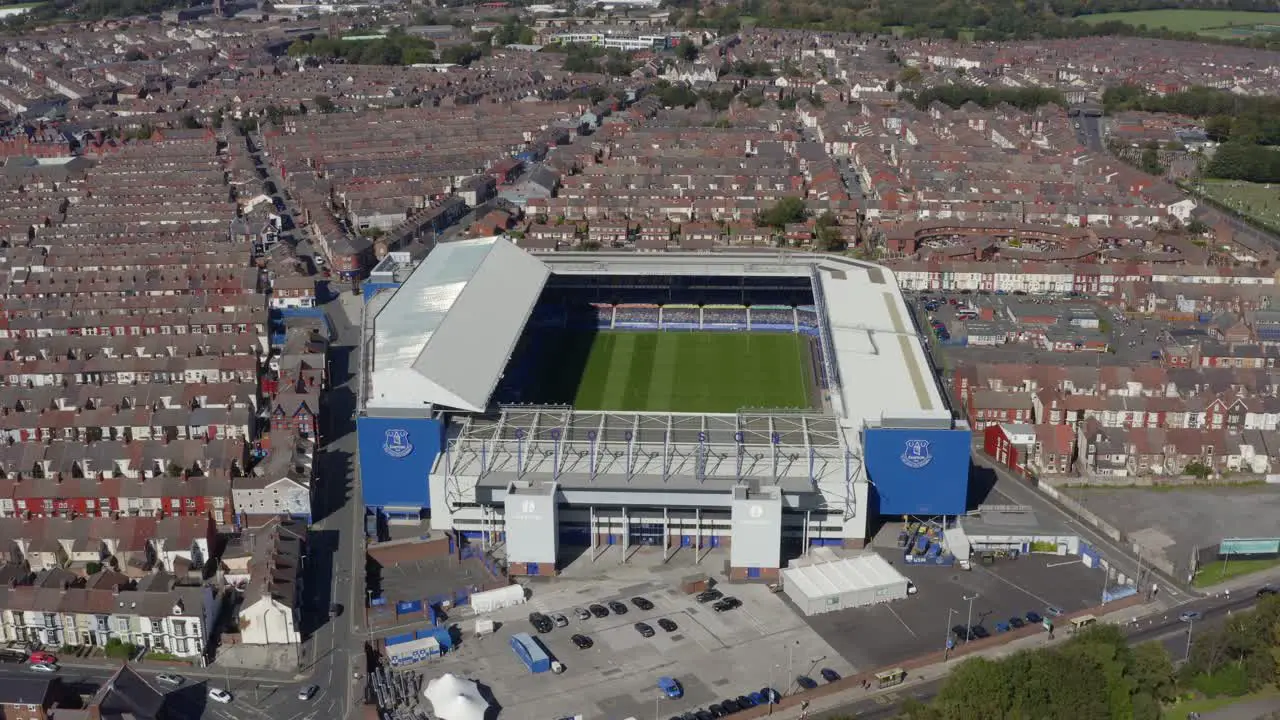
(599, 611)
(806, 682)
(645, 630)
(667, 625)
(581, 614)
(170, 679)
(617, 607)
(583, 642)
(559, 619)
(308, 692)
(642, 603)
(219, 695)
(707, 596)
(829, 675)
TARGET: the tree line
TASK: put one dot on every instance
(1096, 674)
(1028, 98)
(394, 49)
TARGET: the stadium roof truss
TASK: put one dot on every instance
(798, 451)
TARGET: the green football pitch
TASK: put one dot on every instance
(675, 371)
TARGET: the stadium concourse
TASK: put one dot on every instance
(531, 402)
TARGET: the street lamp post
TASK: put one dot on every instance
(946, 635)
(1191, 626)
(656, 700)
(968, 625)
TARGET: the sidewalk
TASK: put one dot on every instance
(935, 671)
(209, 671)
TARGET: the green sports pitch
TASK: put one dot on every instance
(711, 372)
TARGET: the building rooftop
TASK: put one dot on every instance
(445, 335)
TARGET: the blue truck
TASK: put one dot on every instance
(530, 653)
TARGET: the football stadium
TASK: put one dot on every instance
(752, 403)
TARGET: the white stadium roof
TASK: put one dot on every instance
(446, 334)
(443, 339)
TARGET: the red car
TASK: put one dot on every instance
(41, 656)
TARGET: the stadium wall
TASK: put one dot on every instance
(918, 472)
(396, 456)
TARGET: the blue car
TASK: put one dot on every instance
(1002, 627)
(1034, 618)
(671, 687)
(758, 698)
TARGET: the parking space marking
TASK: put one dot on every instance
(1016, 586)
(899, 618)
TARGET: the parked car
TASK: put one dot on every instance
(645, 629)
(730, 706)
(599, 611)
(1052, 611)
(308, 692)
(1017, 622)
(806, 682)
(667, 625)
(617, 607)
(745, 701)
(44, 667)
(715, 711)
(581, 614)
(642, 603)
(829, 675)
(40, 656)
(559, 619)
(979, 632)
(582, 641)
(707, 596)
(1034, 618)
(1266, 590)
(1002, 627)
(961, 632)
(170, 679)
(219, 695)
(540, 622)
(335, 610)
(726, 604)
(670, 686)
(769, 693)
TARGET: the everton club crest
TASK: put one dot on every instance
(396, 443)
(917, 455)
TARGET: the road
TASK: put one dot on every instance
(332, 649)
(1166, 629)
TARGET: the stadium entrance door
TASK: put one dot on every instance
(646, 535)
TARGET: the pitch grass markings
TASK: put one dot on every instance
(667, 361)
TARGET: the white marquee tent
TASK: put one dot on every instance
(504, 597)
(454, 698)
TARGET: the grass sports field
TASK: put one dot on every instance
(1258, 200)
(1218, 23)
(674, 371)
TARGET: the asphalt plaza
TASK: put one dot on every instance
(713, 655)
(882, 635)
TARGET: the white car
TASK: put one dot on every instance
(559, 619)
(581, 614)
(44, 667)
(170, 679)
(308, 692)
(219, 695)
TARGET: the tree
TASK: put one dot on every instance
(1197, 469)
(828, 232)
(909, 75)
(1196, 227)
(688, 51)
(785, 211)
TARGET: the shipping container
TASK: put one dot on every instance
(530, 653)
